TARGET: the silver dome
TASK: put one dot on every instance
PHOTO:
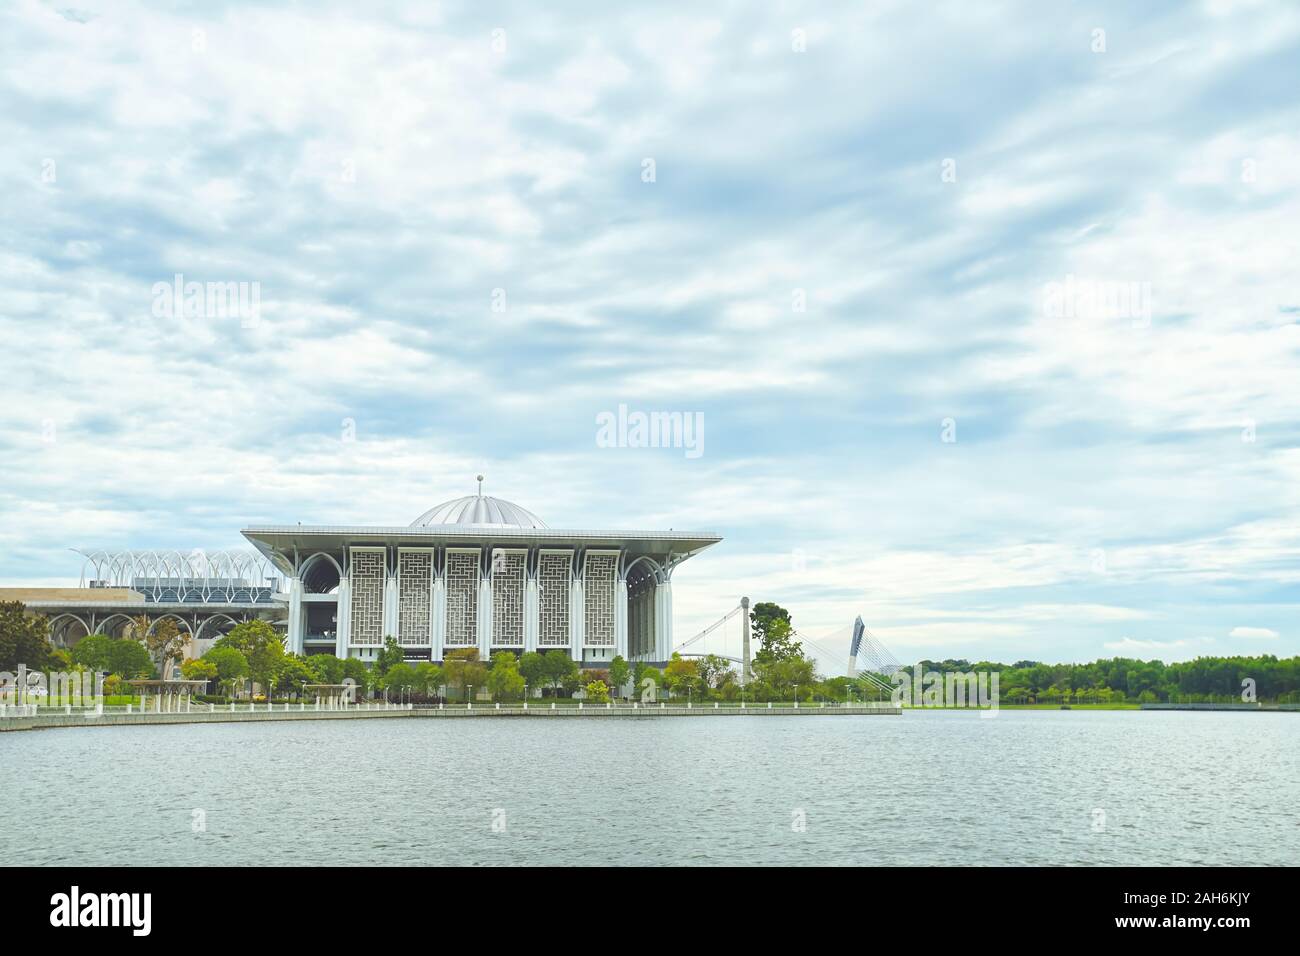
(479, 511)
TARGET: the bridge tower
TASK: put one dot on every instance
(746, 672)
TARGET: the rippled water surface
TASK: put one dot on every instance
(925, 787)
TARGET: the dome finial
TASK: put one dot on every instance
(480, 486)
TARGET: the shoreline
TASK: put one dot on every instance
(92, 719)
(55, 720)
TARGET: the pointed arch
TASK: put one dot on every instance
(320, 573)
(61, 629)
(121, 617)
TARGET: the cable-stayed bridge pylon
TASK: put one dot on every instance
(867, 661)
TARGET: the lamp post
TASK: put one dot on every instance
(469, 693)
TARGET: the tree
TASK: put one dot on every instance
(598, 692)
(777, 641)
(400, 678)
(532, 666)
(136, 627)
(356, 671)
(836, 688)
(764, 616)
(91, 652)
(715, 672)
(128, 659)
(561, 671)
(261, 646)
(163, 639)
(24, 639)
(326, 669)
(681, 674)
(504, 680)
(230, 663)
(294, 672)
(788, 676)
(199, 669)
(428, 679)
(389, 654)
(619, 673)
(462, 670)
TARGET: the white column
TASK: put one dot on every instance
(620, 619)
(668, 614)
(532, 615)
(343, 628)
(389, 626)
(439, 615)
(297, 622)
(663, 620)
(485, 619)
(577, 617)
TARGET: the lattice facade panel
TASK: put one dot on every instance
(462, 599)
(600, 589)
(508, 599)
(367, 576)
(553, 600)
(414, 597)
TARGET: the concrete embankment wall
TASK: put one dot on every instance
(44, 721)
(50, 720)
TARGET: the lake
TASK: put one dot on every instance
(927, 787)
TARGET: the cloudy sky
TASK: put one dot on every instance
(990, 311)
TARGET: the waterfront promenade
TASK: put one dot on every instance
(45, 717)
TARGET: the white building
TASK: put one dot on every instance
(479, 572)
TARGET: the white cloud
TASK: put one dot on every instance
(1254, 633)
(1169, 449)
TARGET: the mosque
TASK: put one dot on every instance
(476, 572)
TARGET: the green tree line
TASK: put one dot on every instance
(253, 653)
(1120, 679)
